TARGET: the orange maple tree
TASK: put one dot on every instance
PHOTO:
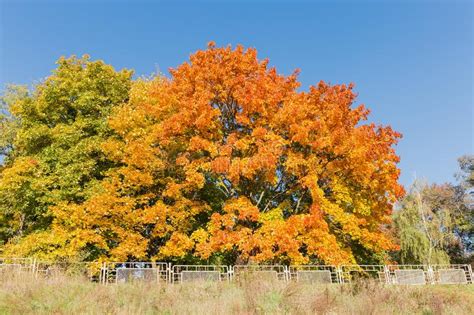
(228, 159)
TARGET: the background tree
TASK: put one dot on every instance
(51, 141)
(424, 226)
(464, 197)
(228, 161)
(435, 223)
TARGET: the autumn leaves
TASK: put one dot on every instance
(227, 160)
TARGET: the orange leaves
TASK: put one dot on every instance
(197, 144)
(172, 190)
(242, 209)
(221, 164)
(222, 74)
(259, 133)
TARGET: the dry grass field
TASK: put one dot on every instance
(65, 295)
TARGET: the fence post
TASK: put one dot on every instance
(286, 272)
(431, 276)
(469, 268)
(169, 274)
(386, 271)
(231, 273)
(339, 275)
(103, 274)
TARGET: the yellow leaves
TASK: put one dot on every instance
(113, 149)
(84, 237)
(42, 245)
(203, 247)
(310, 181)
(133, 245)
(242, 144)
(135, 177)
(155, 214)
(194, 179)
(15, 175)
(296, 163)
(341, 194)
(141, 154)
(177, 246)
(275, 214)
(200, 236)
(363, 208)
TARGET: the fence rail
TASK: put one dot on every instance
(263, 272)
(192, 273)
(133, 271)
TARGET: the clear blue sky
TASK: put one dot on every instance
(412, 62)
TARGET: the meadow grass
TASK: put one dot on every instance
(69, 295)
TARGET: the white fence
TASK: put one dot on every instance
(314, 274)
(135, 271)
(350, 273)
(88, 270)
(13, 265)
(162, 272)
(261, 272)
(196, 273)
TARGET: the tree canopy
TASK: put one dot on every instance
(224, 161)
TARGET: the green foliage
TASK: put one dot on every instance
(423, 229)
(51, 139)
(434, 223)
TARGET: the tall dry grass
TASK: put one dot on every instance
(67, 295)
